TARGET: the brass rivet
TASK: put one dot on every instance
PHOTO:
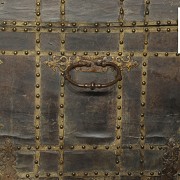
(37, 40)
(37, 23)
(50, 24)
(119, 118)
(62, 24)
(50, 29)
(27, 175)
(74, 53)
(62, 84)
(121, 23)
(61, 137)
(148, 2)
(94, 147)
(144, 82)
(142, 104)
(14, 29)
(169, 22)
(38, 13)
(134, 23)
(121, 30)
(108, 24)
(37, 85)
(37, 95)
(63, 41)
(158, 29)
(38, 106)
(166, 54)
(96, 30)
(144, 64)
(49, 147)
(168, 29)
(85, 53)
(146, 29)
(62, 30)
(62, 53)
(119, 107)
(61, 106)
(72, 147)
(74, 24)
(73, 174)
(37, 127)
(129, 173)
(85, 173)
(29, 147)
(121, 42)
(133, 30)
(37, 147)
(145, 23)
(145, 42)
(37, 75)
(48, 174)
(3, 29)
(141, 125)
(130, 147)
(117, 162)
(38, 29)
(143, 92)
(120, 53)
(142, 114)
(26, 52)
(85, 30)
(37, 175)
(50, 53)
(144, 74)
(151, 173)
(38, 52)
(15, 52)
(108, 30)
(73, 30)
(37, 117)
(158, 22)
(142, 147)
(38, 3)
(159, 173)
(37, 65)
(119, 97)
(60, 173)
(144, 54)
(119, 86)
(147, 12)
(96, 173)
(3, 52)
(25, 30)
(61, 126)
(14, 22)
(18, 147)
(107, 147)
(118, 137)
(62, 95)
(121, 11)
(108, 53)
(62, 12)
(118, 127)
(83, 147)
(96, 53)
(151, 147)
(117, 173)
(4, 23)
(37, 137)
(142, 138)
(156, 54)
(61, 147)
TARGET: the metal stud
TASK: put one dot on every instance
(143, 92)
(50, 29)
(133, 30)
(168, 29)
(158, 29)
(85, 30)
(37, 74)
(15, 52)
(62, 12)
(38, 95)
(50, 53)
(38, 3)
(25, 30)
(14, 29)
(108, 30)
(27, 175)
(38, 13)
(26, 52)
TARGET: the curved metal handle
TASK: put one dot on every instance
(93, 85)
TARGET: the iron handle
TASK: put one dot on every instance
(93, 85)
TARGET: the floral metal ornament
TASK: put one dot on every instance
(62, 62)
(170, 160)
(7, 161)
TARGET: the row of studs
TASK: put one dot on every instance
(98, 54)
(90, 29)
(62, 94)
(75, 24)
(37, 92)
